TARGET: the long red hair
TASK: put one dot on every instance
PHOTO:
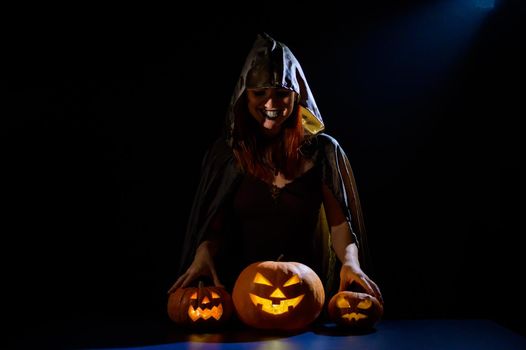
(262, 156)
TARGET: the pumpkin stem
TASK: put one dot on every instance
(280, 257)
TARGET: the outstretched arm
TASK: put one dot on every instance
(345, 248)
(203, 263)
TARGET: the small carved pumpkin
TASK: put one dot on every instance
(355, 310)
(201, 307)
(278, 295)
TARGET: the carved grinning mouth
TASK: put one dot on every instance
(353, 316)
(215, 312)
(268, 306)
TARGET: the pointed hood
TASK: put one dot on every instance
(271, 64)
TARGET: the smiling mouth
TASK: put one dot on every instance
(271, 114)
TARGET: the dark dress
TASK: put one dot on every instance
(270, 221)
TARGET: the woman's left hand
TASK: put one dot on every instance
(350, 273)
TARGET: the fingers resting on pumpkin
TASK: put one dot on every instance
(377, 293)
(372, 288)
(177, 283)
(185, 279)
(202, 265)
(350, 275)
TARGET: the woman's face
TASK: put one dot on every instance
(270, 107)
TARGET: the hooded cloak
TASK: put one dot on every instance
(272, 64)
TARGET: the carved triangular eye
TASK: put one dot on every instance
(293, 280)
(215, 295)
(364, 304)
(342, 303)
(260, 279)
(194, 296)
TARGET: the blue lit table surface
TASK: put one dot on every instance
(388, 334)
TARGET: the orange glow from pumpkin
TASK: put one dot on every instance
(277, 294)
(364, 304)
(284, 305)
(260, 279)
(354, 316)
(276, 309)
(292, 281)
(215, 312)
(343, 303)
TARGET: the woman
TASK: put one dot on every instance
(275, 184)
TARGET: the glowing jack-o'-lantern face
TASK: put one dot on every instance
(355, 310)
(206, 307)
(202, 306)
(277, 303)
(278, 295)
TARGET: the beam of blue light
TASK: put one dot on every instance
(409, 55)
(402, 64)
(484, 4)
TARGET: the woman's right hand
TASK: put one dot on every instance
(203, 265)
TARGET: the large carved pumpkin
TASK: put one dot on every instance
(200, 307)
(354, 310)
(278, 295)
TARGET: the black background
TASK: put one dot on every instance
(108, 113)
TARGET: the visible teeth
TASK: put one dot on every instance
(271, 114)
